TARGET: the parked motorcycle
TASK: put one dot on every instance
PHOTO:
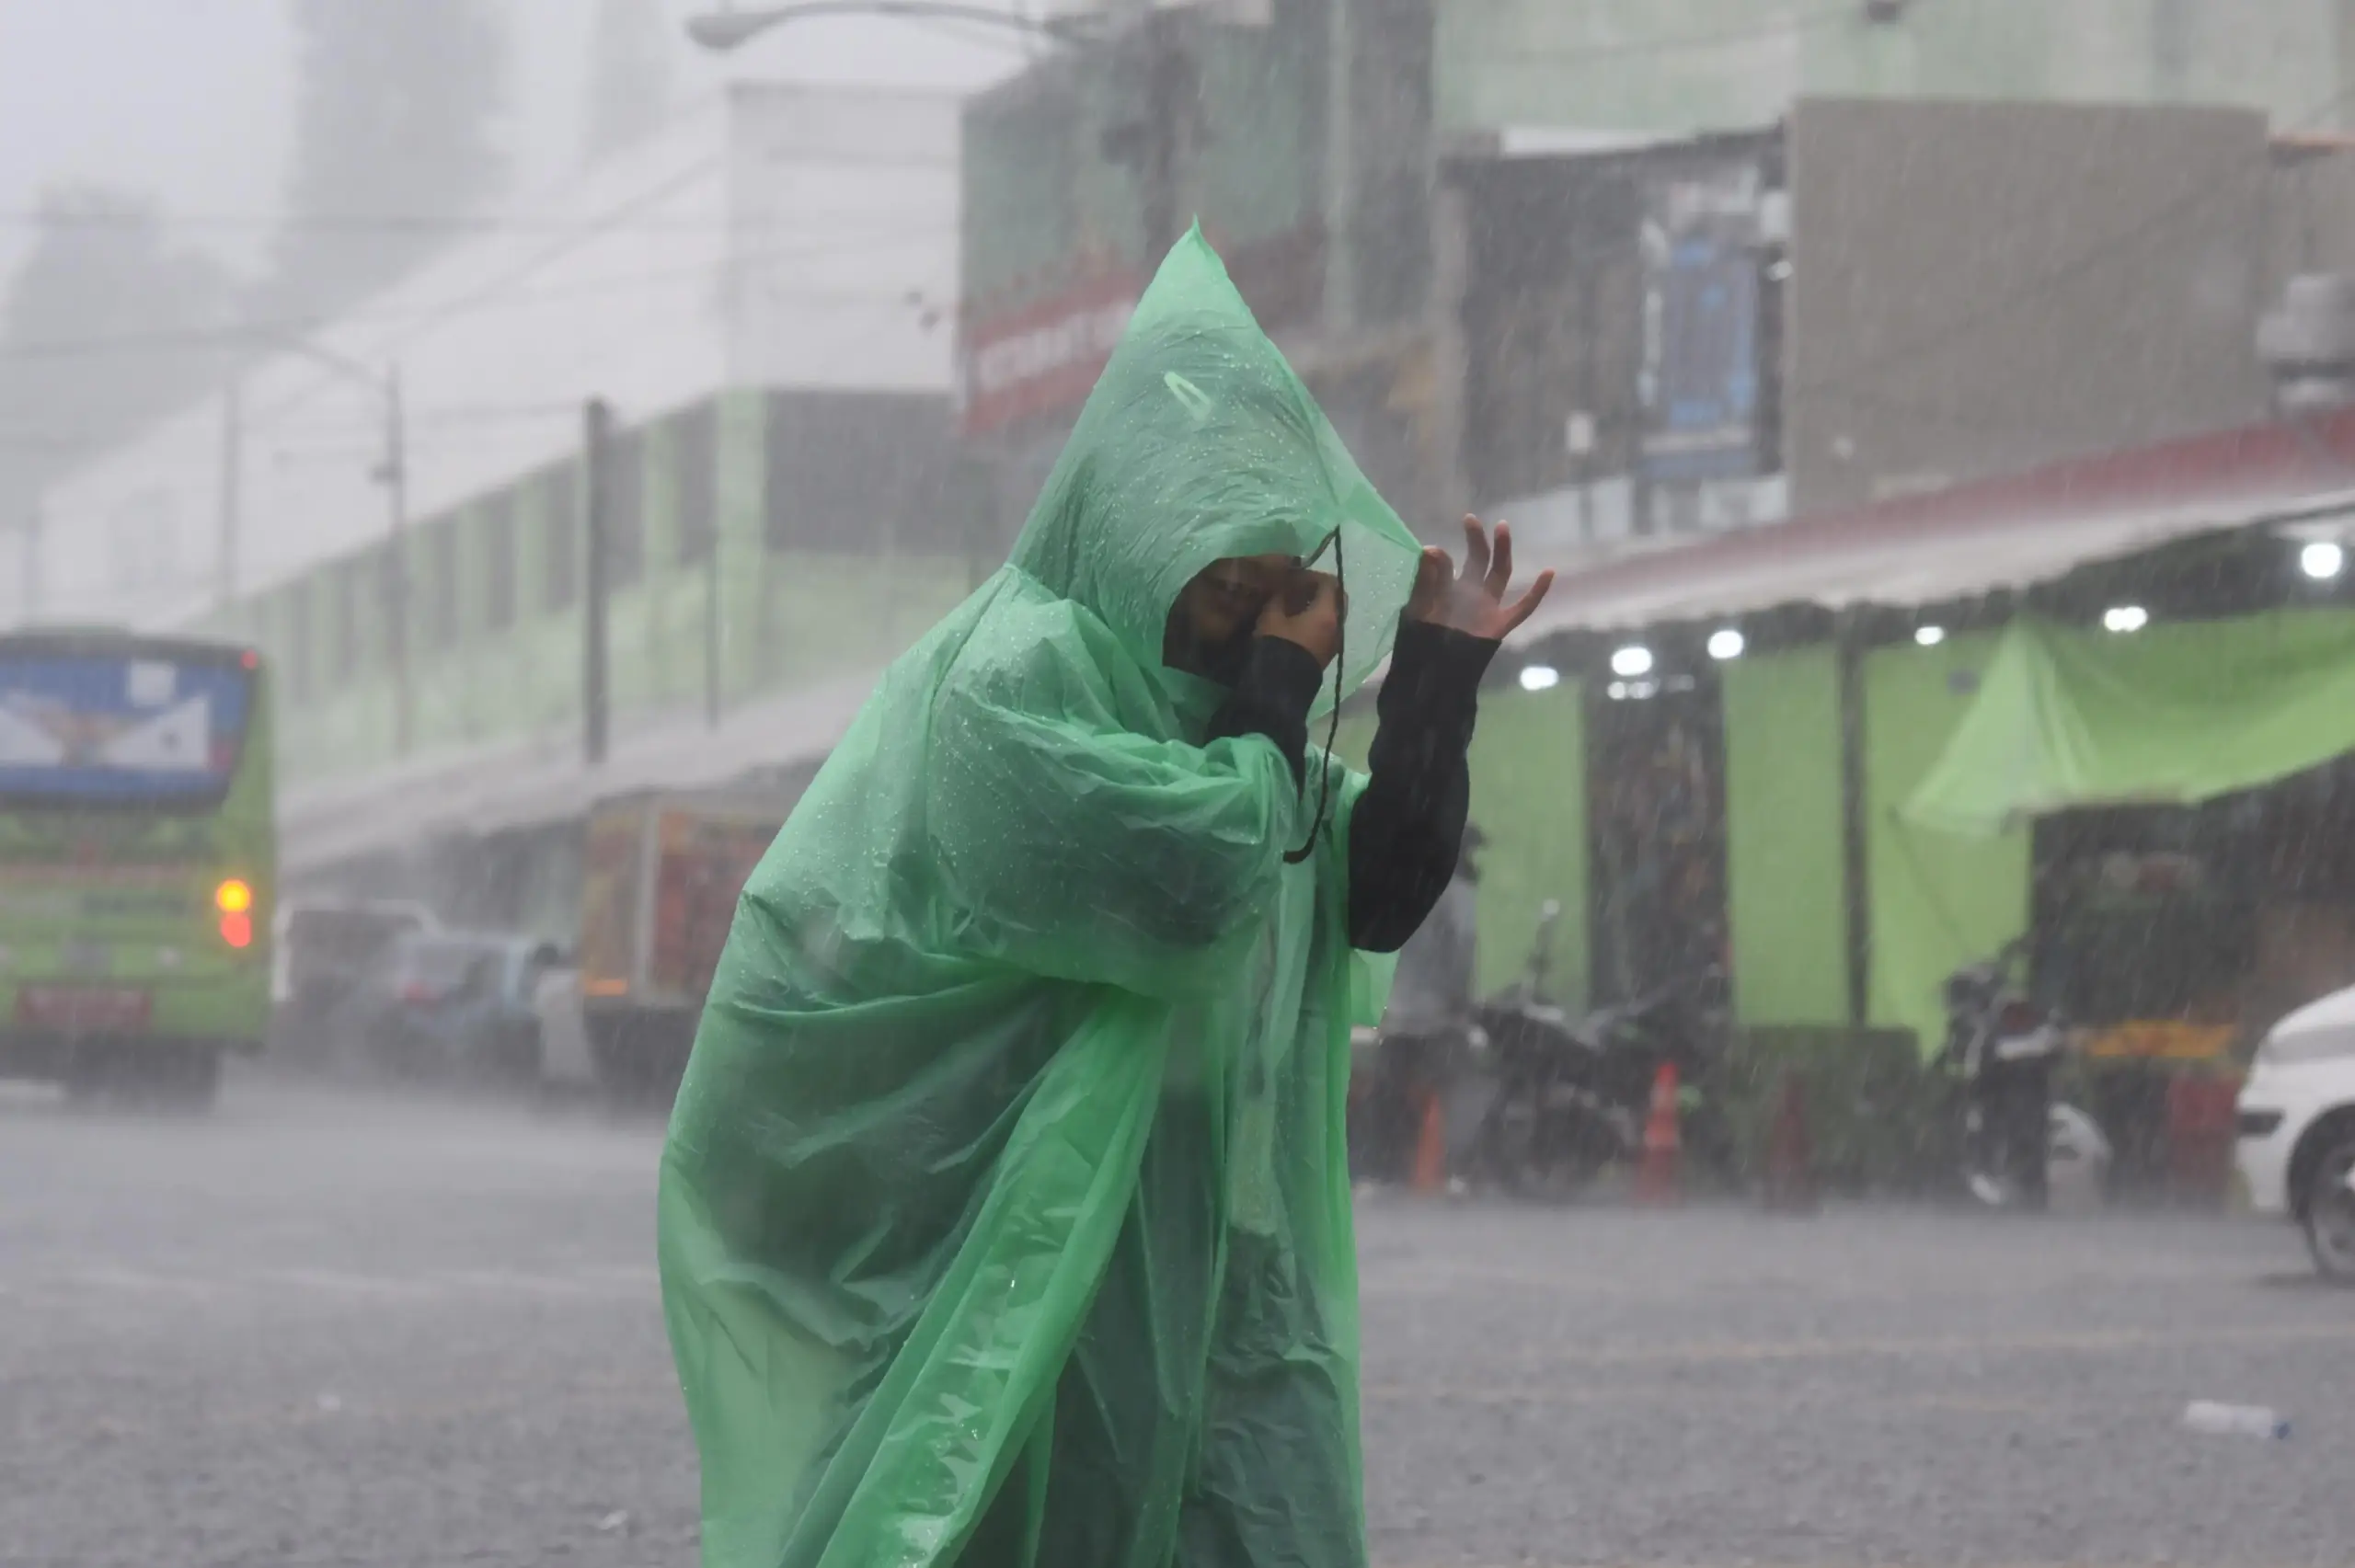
(2000, 1050)
(1566, 1096)
(1545, 1128)
(1684, 1023)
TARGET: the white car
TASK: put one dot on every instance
(2296, 1149)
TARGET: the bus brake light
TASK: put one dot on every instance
(235, 900)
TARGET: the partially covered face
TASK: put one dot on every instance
(1211, 624)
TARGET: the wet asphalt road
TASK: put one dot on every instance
(321, 1330)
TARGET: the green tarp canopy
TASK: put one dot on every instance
(2172, 714)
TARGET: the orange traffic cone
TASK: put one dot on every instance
(1659, 1177)
(1431, 1146)
(1790, 1154)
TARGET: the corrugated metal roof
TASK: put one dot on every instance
(546, 780)
(1974, 539)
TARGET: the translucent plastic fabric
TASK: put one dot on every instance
(1005, 1217)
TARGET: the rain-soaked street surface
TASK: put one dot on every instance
(319, 1330)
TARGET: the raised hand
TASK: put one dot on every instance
(1474, 601)
(1308, 611)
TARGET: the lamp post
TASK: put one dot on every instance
(1153, 145)
(392, 473)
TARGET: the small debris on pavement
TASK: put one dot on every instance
(2214, 1420)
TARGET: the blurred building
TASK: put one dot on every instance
(763, 292)
(1869, 299)
(1621, 273)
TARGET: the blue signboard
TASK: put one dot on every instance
(121, 730)
(1700, 381)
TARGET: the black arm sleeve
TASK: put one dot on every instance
(1407, 830)
(1278, 688)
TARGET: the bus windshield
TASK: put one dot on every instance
(128, 730)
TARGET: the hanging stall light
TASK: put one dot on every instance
(1632, 661)
(2323, 560)
(1539, 677)
(1929, 637)
(2125, 618)
(1726, 643)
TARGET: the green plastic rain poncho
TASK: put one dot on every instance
(1006, 1215)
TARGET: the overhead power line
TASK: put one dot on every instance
(357, 223)
(261, 335)
(1692, 43)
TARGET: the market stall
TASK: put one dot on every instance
(1851, 755)
(2191, 798)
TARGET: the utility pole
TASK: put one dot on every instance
(1172, 98)
(1341, 172)
(232, 467)
(392, 473)
(1156, 144)
(32, 563)
(711, 626)
(397, 634)
(596, 509)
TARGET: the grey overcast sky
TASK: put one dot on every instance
(193, 100)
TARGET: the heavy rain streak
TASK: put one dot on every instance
(1177, 784)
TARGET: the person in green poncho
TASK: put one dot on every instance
(1005, 1217)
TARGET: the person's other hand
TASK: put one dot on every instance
(1307, 611)
(1474, 601)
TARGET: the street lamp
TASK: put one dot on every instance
(730, 28)
(385, 383)
(1154, 144)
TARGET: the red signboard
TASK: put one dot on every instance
(84, 1010)
(1046, 358)
(85, 875)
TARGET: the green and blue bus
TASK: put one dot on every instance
(137, 854)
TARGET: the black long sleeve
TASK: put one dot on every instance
(1277, 687)
(1406, 834)
(1407, 830)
